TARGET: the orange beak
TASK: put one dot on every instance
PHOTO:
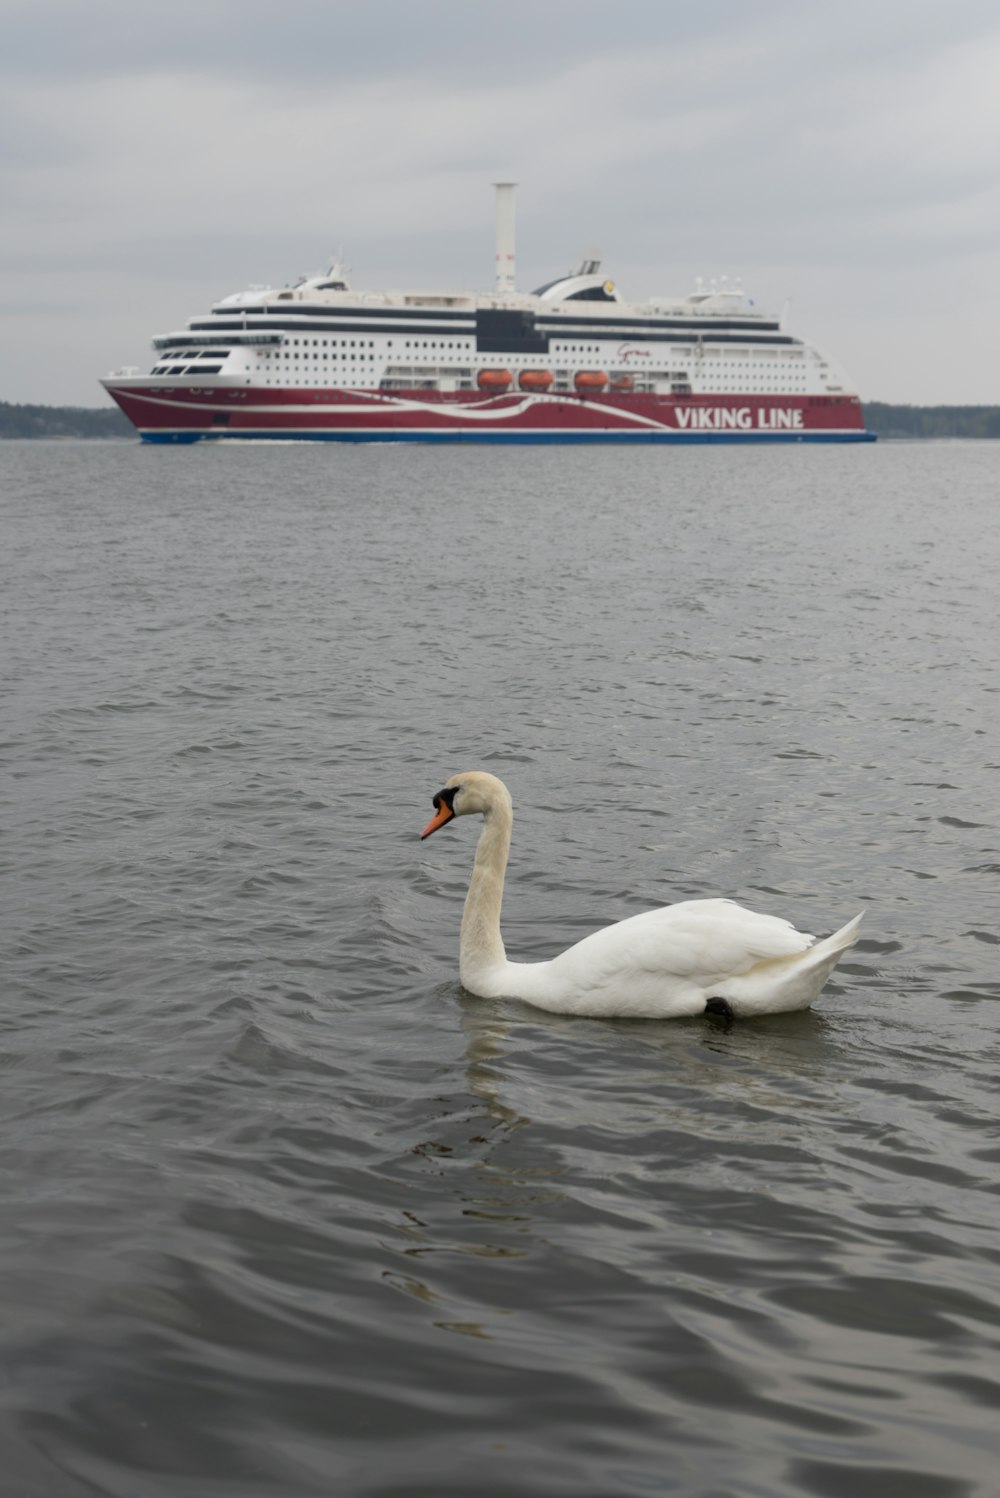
(444, 814)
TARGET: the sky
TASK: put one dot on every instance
(840, 159)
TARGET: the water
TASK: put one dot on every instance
(287, 1213)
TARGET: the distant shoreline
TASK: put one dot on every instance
(62, 421)
(887, 420)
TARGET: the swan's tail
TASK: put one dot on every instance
(780, 984)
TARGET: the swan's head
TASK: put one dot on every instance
(472, 791)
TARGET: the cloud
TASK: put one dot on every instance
(161, 163)
(331, 41)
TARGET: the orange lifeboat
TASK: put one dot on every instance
(590, 379)
(535, 379)
(622, 383)
(497, 380)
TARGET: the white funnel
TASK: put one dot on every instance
(505, 235)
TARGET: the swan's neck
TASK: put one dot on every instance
(481, 952)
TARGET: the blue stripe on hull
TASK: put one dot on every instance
(678, 439)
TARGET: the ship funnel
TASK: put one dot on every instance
(505, 235)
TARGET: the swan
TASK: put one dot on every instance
(684, 959)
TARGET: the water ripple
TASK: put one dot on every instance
(287, 1212)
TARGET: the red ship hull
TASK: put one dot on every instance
(185, 413)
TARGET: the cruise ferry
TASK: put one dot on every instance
(572, 361)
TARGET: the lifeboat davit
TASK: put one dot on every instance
(535, 379)
(622, 382)
(590, 379)
(496, 380)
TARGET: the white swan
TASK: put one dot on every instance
(679, 960)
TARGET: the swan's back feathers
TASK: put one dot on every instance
(661, 963)
(692, 937)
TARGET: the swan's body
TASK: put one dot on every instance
(678, 960)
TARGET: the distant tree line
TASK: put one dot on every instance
(62, 421)
(932, 421)
(886, 420)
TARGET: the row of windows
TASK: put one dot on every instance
(370, 343)
(347, 358)
(585, 349)
(195, 369)
(196, 353)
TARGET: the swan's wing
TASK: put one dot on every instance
(668, 960)
(694, 939)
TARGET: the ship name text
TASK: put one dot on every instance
(738, 418)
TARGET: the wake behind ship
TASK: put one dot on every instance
(569, 362)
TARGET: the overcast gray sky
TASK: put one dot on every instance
(154, 158)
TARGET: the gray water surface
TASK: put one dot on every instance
(287, 1213)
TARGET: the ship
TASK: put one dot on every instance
(572, 361)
